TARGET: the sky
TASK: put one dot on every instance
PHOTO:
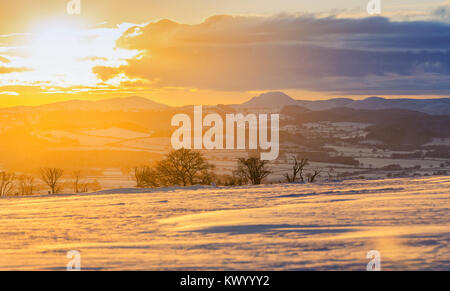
(181, 52)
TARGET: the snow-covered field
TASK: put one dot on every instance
(328, 226)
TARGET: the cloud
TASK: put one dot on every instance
(242, 53)
(8, 70)
(442, 12)
(9, 93)
(105, 73)
(4, 60)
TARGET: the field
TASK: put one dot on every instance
(325, 226)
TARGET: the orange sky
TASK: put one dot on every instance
(117, 49)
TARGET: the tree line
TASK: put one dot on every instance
(185, 167)
(12, 184)
(181, 167)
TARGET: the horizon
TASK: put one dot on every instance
(215, 104)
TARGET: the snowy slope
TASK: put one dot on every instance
(329, 226)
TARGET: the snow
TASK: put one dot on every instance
(439, 142)
(326, 226)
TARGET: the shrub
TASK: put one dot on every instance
(145, 177)
(184, 167)
(252, 169)
(25, 184)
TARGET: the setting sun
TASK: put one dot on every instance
(57, 50)
(58, 57)
(57, 44)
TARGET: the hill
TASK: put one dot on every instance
(132, 103)
(279, 100)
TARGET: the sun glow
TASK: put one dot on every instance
(62, 54)
(56, 52)
(57, 43)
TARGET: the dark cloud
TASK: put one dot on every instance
(442, 13)
(291, 52)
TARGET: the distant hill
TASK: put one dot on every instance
(279, 100)
(273, 101)
(269, 100)
(133, 103)
(343, 114)
(431, 106)
(294, 110)
(392, 126)
(393, 121)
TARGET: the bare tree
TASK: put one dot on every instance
(6, 183)
(26, 185)
(51, 177)
(78, 185)
(183, 167)
(297, 169)
(313, 176)
(145, 176)
(253, 170)
(76, 181)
